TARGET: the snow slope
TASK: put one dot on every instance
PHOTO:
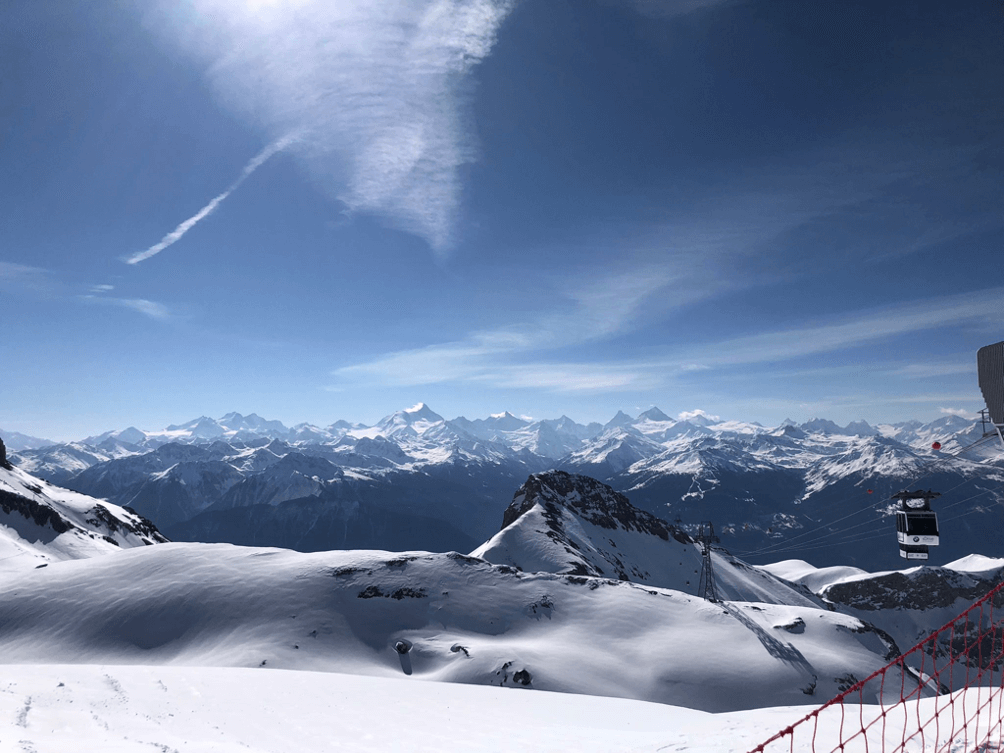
(462, 620)
(110, 708)
(41, 523)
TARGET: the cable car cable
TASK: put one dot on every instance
(772, 548)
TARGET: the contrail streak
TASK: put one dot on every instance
(176, 234)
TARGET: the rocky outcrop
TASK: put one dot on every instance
(41, 514)
(4, 463)
(591, 500)
(578, 527)
(924, 589)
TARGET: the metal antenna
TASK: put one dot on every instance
(707, 586)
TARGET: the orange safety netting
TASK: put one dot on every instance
(944, 694)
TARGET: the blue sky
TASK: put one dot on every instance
(318, 210)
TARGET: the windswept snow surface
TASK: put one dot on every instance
(138, 708)
(143, 708)
(463, 620)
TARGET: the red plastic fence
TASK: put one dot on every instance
(944, 694)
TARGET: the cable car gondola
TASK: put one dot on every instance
(916, 524)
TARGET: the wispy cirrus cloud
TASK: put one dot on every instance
(19, 278)
(377, 92)
(176, 235)
(151, 309)
(589, 311)
(525, 357)
(854, 330)
(937, 369)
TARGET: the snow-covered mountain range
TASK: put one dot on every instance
(416, 480)
(579, 592)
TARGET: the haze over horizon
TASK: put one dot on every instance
(334, 211)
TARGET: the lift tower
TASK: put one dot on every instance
(706, 537)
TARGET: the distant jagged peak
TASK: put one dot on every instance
(562, 423)
(17, 441)
(620, 420)
(619, 432)
(130, 435)
(190, 425)
(815, 425)
(567, 426)
(952, 422)
(505, 422)
(418, 414)
(591, 500)
(861, 428)
(422, 411)
(341, 424)
(653, 415)
(791, 430)
(279, 447)
(236, 422)
(376, 446)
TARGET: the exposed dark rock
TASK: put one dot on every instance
(522, 677)
(929, 588)
(347, 571)
(398, 594)
(4, 463)
(504, 672)
(796, 626)
(99, 515)
(41, 514)
(845, 682)
(400, 562)
(144, 526)
(593, 501)
(558, 493)
(891, 648)
(465, 559)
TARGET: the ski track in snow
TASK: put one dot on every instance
(206, 709)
